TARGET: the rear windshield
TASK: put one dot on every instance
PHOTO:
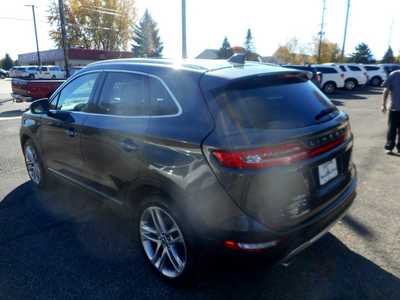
(262, 103)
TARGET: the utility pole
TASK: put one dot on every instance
(345, 28)
(321, 32)
(184, 49)
(36, 37)
(390, 33)
(64, 36)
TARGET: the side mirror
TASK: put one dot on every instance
(40, 106)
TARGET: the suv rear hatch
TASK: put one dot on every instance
(280, 148)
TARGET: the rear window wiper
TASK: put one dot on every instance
(325, 112)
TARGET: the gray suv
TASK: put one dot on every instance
(216, 156)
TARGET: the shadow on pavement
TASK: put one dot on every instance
(65, 244)
(11, 113)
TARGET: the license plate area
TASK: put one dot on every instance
(327, 171)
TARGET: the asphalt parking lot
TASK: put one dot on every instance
(64, 244)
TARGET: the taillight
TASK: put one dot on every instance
(280, 155)
(261, 158)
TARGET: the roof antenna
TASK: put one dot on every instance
(237, 58)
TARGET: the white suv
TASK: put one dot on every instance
(376, 74)
(51, 72)
(332, 78)
(354, 75)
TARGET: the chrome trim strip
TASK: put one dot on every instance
(85, 186)
(180, 111)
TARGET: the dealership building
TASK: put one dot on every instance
(76, 56)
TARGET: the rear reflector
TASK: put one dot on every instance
(279, 155)
(256, 247)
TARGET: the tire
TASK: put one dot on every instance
(376, 81)
(350, 84)
(172, 261)
(34, 165)
(31, 76)
(329, 88)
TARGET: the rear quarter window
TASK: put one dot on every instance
(327, 70)
(368, 68)
(262, 105)
(354, 68)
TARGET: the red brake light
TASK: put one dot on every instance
(279, 155)
(261, 158)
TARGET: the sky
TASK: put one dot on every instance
(273, 23)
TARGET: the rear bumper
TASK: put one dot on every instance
(294, 241)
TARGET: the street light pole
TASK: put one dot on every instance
(321, 32)
(345, 28)
(36, 36)
(184, 49)
(64, 36)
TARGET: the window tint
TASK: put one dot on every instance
(43, 68)
(343, 68)
(326, 70)
(261, 103)
(54, 69)
(75, 96)
(123, 94)
(32, 68)
(369, 68)
(161, 102)
(354, 68)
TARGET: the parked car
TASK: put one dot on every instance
(206, 156)
(354, 75)
(389, 68)
(3, 73)
(29, 90)
(316, 77)
(50, 72)
(332, 78)
(29, 72)
(376, 74)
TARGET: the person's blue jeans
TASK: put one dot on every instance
(393, 130)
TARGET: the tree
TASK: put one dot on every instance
(94, 24)
(293, 52)
(226, 50)
(389, 58)
(249, 42)
(147, 41)
(330, 52)
(6, 63)
(362, 54)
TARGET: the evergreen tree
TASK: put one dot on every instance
(6, 63)
(249, 42)
(362, 54)
(226, 50)
(147, 41)
(389, 58)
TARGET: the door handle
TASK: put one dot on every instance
(128, 145)
(71, 132)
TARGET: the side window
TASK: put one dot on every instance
(161, 102)
(342, 68)
(75, 96)
(354, 68)
(369, 68)
(123, 94)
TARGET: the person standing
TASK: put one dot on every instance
(392, 88)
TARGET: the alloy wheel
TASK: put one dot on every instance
(163, 241)
(350, 85)
(33, 164)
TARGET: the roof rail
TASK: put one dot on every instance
(237, 58)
